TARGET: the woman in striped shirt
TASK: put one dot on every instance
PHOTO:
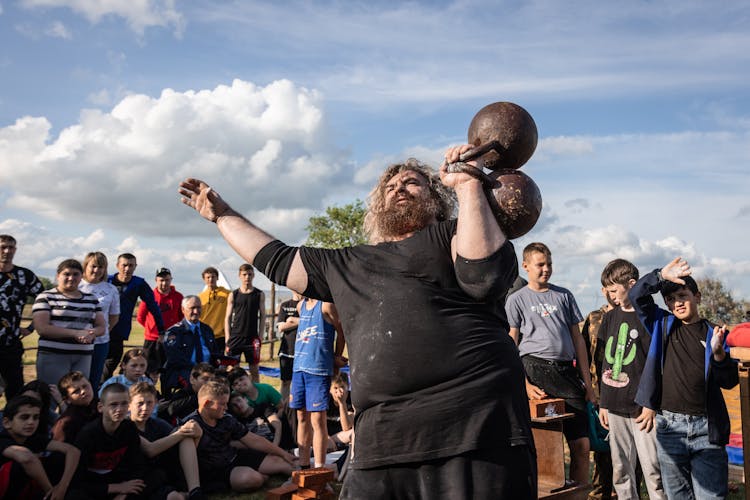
(68, 321)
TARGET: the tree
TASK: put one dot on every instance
(339, 227)
(717, 303)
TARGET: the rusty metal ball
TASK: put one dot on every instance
(517, 203)
(509, 124)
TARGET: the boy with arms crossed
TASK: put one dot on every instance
(687, 366)
(621, 349)
(544, 322)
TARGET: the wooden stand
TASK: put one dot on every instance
(550, 460)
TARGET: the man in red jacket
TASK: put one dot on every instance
(169, 301)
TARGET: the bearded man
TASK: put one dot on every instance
(438, 388)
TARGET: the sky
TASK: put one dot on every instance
(287, 107)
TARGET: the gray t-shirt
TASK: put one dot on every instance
(544, 320)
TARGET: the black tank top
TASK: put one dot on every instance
(245, 312)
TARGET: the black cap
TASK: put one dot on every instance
(163, 271)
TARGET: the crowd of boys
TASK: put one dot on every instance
(655, 375)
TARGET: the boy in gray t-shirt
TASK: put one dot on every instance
(544, 322)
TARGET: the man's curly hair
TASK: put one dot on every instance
(444, 197)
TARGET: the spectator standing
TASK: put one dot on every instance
(287, 322)
(95, 282)
(246, 321)
(214, 300)
(544, 322)
(131, 289)
(17, 284)
(170, 305)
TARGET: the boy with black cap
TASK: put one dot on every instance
(687, 366)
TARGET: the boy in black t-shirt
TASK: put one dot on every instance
(241, 469)
(112, 462)
(22, 473)
(621, 348)
(81, 408)
(687, 366)
(287, 323)
(183, 402)
(169, 449)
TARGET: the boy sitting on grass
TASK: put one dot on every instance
(112, 463)
(81, 407)
(183, 402)
(21, 470)
(241, 469)
(158, 439)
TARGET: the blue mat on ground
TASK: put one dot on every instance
(735, 455)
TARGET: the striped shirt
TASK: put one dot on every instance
(65, 312)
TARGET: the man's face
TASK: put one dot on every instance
(68, 279)
(210, 280)
(114, 407)
(125, 269)
(141, 407)
(409, 204)
(24, 423)
(246, 278)
(197, 382)
(684, 305)
(163, 283)
(242, 384)
(80, 393)
(7, 251)
(192, 310)
(538, 267)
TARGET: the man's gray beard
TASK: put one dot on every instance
(405, 218)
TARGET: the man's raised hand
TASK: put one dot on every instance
(676, 270)
(200, 196)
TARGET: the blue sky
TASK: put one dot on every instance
(286, 107)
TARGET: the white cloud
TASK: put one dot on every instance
(139, 14)
(58, 30)
(254, 144)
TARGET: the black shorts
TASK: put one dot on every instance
(247, 345)
(504, 472)
(561, 380)
(245, 458)
(286, 366)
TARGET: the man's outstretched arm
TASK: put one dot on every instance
(242, 235)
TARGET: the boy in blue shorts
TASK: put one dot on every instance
(313, 367)
(687, 366)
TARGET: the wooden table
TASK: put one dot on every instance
(550, 460)
(742, 354)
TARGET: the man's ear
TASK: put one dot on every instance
(698, 298)
(100, 407)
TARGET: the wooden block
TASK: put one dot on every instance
(546, 407)
(283, 492)
(305, 494)
(314, 479)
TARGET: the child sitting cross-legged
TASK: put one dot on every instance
(227, 452)
(169, 449)
(22, 472)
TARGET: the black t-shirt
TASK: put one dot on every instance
(36, 443)
(214, 451)
(434, 372)
(156, 429)
(288, 309)
(684, 380)
(625, 344)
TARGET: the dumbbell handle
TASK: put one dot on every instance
(478, 151)
(462, 167)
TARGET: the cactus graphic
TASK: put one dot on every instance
(618, 360)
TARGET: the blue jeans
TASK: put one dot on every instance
(691, 467)
(97, 365)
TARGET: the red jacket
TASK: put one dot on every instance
(171, 312)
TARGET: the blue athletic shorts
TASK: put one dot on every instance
(309, 391)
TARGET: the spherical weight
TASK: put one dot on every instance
(509, 124)
(516, 203)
